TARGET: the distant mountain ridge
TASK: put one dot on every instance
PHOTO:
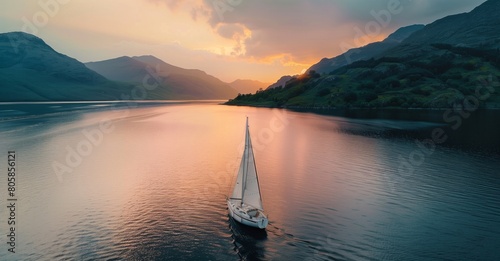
(175, 83)
(30, 70)
(477, 28)
(366, 52)
(281, 82)
(443, 65)
(248, 86)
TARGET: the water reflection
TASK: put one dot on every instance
(248, 242)
(154, 189)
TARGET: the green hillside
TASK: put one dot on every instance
(440, 78)
(452, 62)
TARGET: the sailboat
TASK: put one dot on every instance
(245, 203)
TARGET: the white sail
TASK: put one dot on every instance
(245, 204)
(251, 191)
(238, 187)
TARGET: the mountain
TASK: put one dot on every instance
(248, 86)
(369, 51)
(451, 63)
(173, 82)
(476, 29)
(281, 82)
(30, 70)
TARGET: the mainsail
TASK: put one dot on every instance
(247, 183)
(238, 187)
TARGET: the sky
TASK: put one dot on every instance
(230, 39)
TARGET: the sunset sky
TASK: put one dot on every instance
(230, 39)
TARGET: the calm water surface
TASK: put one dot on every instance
(149, 183)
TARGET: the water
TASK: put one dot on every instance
(149, 183)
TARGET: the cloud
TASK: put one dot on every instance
(236, 32)
(174, 5)
(308, 30)
(171, 4)
(230, 31)
(251, 37)
(305, 31)
(302, 31)
(295, 29)
(196, 8)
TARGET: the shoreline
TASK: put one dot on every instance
(476, 130)
(435, 115)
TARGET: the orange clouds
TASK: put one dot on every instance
(253, 39)
(236, 32)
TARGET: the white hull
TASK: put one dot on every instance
(243, 214)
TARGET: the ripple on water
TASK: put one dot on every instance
(153, 191)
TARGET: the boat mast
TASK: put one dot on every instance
(245, 164)
(256, 174)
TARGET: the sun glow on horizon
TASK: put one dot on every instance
(260, 40)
